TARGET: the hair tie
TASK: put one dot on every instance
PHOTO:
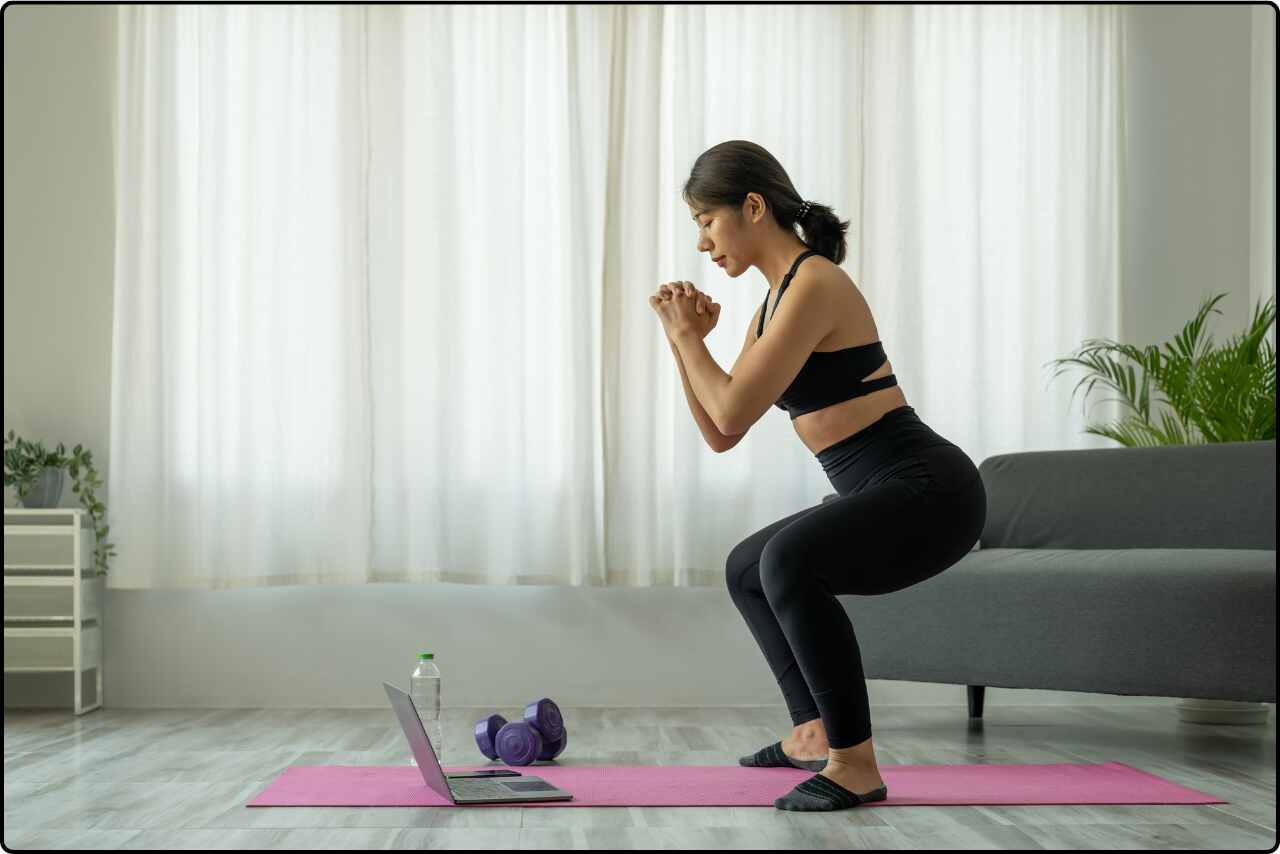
(804, 209)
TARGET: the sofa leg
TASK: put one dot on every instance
(975, 700)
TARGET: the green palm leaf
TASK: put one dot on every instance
(1227, 394)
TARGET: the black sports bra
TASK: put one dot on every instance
(825, 378)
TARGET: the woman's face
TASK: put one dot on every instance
(717, 236)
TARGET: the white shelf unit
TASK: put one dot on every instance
(53, 596)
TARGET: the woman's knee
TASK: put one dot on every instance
(781, 571)
(740, 566)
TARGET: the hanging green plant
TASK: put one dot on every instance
(25, 462)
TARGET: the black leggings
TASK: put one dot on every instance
(911, 504)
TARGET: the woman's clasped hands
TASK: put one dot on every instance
(682, 308)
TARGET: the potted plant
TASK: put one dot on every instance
(1224, 394)
(37, 475)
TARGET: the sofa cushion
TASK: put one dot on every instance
(1215, 496)
(1140, 622)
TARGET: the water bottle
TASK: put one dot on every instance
(424, 690)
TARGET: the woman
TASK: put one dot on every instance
(910, 502)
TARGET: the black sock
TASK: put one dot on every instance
(774, 757)
(820, 794)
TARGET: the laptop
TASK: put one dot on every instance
(459, 788)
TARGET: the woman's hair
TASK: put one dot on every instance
(725, 173)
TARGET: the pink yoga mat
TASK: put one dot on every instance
(737, 786)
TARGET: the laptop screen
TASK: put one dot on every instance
(416, 735)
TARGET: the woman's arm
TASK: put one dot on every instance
(717, 440)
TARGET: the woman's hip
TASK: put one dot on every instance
(884, 538)
(907, 450)
(946, 470)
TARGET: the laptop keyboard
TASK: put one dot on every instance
(486, 787)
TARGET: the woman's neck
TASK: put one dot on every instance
(778, 263)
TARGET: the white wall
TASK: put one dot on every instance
(1188, 234)
(1187, 224)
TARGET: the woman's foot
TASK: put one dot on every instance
(858, 779)
(807, 749)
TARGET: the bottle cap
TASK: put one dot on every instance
(426, 656)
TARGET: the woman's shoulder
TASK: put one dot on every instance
(828, 271)
(824, 276)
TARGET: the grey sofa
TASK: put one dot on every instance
(1135, 571)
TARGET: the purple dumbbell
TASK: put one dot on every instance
(519, 743)
(544, 715)
(552, 749)
(540, 736)
(487, 733)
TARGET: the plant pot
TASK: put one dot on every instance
(47, 490)
(1195, 711)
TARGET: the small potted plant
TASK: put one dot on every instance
(36, 473)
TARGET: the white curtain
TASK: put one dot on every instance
(382, 272)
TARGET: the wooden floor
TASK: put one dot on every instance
(171, 779)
